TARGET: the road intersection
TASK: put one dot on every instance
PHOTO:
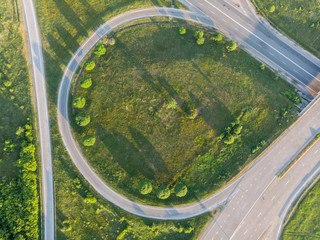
(258, 193)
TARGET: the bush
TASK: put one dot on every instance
(82, 119)
(182, 30)
(198, 34)
(217, 37)
(271, 8)
(237, 129)
(88, 140)
(90, 65)
(145, 187)
(231, 46)
(7, 83)
(100, 50)
(180, 190)
(262, 66)
(200, 41)
(292, 96)
(79, 102)
(85, 82)
(229, 139)
(163, 192)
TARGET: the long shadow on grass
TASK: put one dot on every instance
(125, 153)
(69, 40)
(151, 155)
(71, 17)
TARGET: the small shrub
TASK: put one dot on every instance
(198, 34)
(82, 119)
(7, 83)
(145, 187)
(100, 50)
(180, 190)
(88, 140)
(163, 192)
(90, 65)
(231, 46)
(217, 37)
(237, 129)
(229, 139)
(182, 30)
(292, 96)
(200, 41)
(262, 66)
(85, 82)
(79, 102)
(271, 8)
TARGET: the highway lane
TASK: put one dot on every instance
(39, 85)
(181, 212)
(262, 193)
(263, 43)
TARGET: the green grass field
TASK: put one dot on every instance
(147, 92)
(64, 26)
(299, 19)
(304, 223)
(19, 199)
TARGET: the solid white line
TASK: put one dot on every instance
(262, 40)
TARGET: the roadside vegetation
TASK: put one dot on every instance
(168, 109)
(19, 198)
(304, 223)
(299, 19)
(80, 212)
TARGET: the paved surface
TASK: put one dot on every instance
(39, 84)
(236, 19)
(258, 194)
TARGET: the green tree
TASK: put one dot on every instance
(182, 30)
(163, 192)
(231, 46)
(229, 139)
(88, 140)
(79, 102)
(237, 129)
(271, 8)
(82, 119)
(198, 34)
(85, 82)
(180, 190)
(200, 41)
(145, 187)
(217, 37)
(100, 50)
(90, 65)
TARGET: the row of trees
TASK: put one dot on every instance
(199, 36)
(83, 119)
(19, 198)
(163, 192)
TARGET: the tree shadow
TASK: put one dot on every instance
(125, 153)
(71, 17)
(69, 40)
(151, 155)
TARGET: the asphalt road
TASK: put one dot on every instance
(39, 85)
(263, 42)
